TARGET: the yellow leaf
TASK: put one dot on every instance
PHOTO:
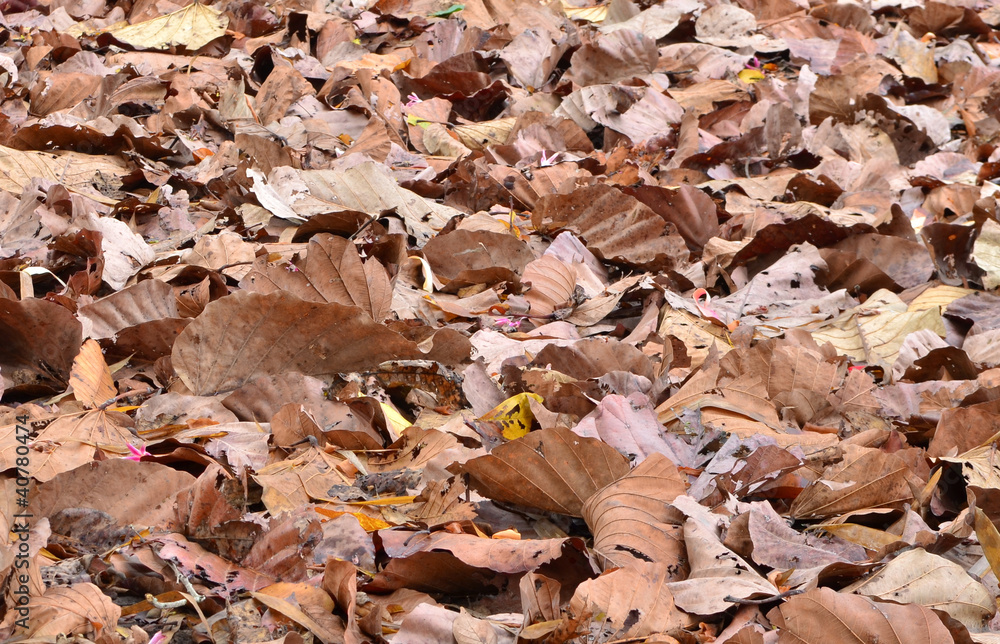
(513, 415)
(869, 538)
(395, 421)
(750, 76)
(389, 500)
(192, 27)
(370, 524)
(989, 539)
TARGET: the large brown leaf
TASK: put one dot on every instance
(144, 302)
(246, 335)
(613, 225)
(823, 616)
(632, 519)
(634, 600)
(866, 478)
(460, 563)
(551, 469)
(332, 272)
(40, 340)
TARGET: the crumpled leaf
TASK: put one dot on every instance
(716, 573)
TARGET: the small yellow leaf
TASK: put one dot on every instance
(388, 500)
(370, 524)
(394, 419)
(513, 415)
(751, 76)
(989, 539)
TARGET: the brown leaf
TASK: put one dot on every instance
(110, 486)
(616, 227)
(463, 563)
(144, 302)
(866, 478)
(552, 285)
(778, 546)
(246, 335)
(40, 341)
(824, 615)
(90, 376)
(79, 609)
(632, 519)
(634, 600)
(551, 469)
(332, 272)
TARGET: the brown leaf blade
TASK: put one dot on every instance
(552, 469)
(90, 376)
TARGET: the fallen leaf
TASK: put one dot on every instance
(193, 27)
(552, 469)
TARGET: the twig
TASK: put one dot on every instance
(165, 605)
(181, 577)
(111, 401)
(371, 220)
(766, 600)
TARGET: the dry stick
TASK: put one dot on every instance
(766, 600)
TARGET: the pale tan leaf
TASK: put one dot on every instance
(192, 27)
(98, 177)
(987, 252)
(552, 285)
(479, 136)
(91, 377)
(469, 630)
(874, 331)
(919, 577)
(635, 601)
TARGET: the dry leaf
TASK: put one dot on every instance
(192, 27)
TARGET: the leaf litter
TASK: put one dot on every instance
(502, 321)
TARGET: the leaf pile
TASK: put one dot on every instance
(502, 321)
